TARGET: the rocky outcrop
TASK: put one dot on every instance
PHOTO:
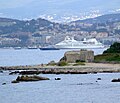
(116, 80)
(25, 72)
(57, 78)
(49, 71)
(29, 78)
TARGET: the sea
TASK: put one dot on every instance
(17, 57)
(72, 88)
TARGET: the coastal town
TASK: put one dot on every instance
(41, 32)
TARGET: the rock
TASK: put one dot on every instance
(116, 80)
(98, 78)
(1, 71)
(94, 73)
(14, 81)
(25, 72)
(29, 78)
(3, 83)
(15, 72)
(2, 68)
(29, 72)
(57, 78)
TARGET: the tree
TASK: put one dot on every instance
(114, 48)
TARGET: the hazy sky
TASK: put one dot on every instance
(34, 8)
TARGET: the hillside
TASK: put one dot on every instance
(41, 32)
(101, 19)
(12, 25)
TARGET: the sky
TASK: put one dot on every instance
(22, 9)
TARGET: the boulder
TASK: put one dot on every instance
(1, 71)
(14, 81)
(98, 78)
(29, 78)
(3, 83)
(116, 80)
(57, 78)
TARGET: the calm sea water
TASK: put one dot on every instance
(75, 88)
(79, 88)
(11, 57)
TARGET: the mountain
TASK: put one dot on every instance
(39, 31)
(12, 25)
(8, 25)
(22, 9)
(71, 17)
(27, 32)
(101, 19)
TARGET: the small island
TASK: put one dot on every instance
(76, 62)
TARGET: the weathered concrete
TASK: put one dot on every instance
(82, 55)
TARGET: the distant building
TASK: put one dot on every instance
(82, 55)
(102, 35)
(42, 39)
(9, 41)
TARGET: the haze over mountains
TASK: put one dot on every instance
(57, 10)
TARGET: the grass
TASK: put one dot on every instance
(79, 63)
(108, 57)
(62, 63)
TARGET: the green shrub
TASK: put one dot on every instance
(114, 48)
(62, 63)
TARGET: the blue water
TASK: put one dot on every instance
(11, 57)
(67, 90)
(72, 88)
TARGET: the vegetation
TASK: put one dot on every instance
(52, 63)
(79, 63)
(62, 63)
(110, 55)
(114, 48)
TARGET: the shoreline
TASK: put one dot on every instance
(87, 68)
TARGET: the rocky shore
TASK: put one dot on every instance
(81, 69)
